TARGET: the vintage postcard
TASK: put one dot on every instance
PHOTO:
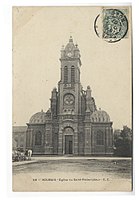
(72, 99)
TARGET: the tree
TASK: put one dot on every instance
(123, 143)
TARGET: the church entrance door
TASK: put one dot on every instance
(68, 144)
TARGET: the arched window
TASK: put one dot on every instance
(38, 138)
(65, 74)
(72, 74)
(100, 138)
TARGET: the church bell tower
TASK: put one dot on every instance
(69, 99)
(69, 84)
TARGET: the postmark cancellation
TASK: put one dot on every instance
(112, 24)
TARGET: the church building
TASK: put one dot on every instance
(72, 125)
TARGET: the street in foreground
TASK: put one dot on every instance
(73, 174)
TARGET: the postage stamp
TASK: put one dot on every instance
(115, 25)
(111, 25)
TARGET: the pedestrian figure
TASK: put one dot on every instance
(29, 154)
(26, 152)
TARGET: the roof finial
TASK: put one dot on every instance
(70, 40)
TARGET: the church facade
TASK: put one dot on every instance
(72, 125)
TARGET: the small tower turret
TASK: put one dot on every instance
(54, 102)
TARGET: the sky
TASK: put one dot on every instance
(39, 33)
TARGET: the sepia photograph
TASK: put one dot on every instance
(72, 99)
